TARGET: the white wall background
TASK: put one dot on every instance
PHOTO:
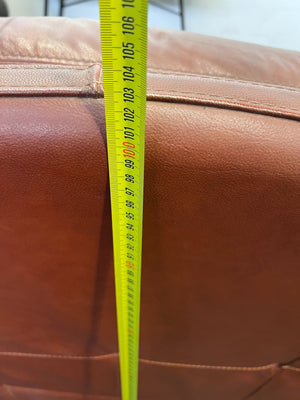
(270, 22)
(25, 7)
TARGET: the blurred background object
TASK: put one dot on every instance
(160, 4)
(3, 9)
(267, 22)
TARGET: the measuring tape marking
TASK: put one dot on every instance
(124, 39)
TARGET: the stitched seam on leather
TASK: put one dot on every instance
(165, 72)
(88, 85)
(208, 77)
(62, 88)
(226, 97)
(58, 356)
(8, 67)
(153, 362)
(163, 363)
(159, 71)
(223, 79)
(215, 367)
(18, 56)
(179, 93)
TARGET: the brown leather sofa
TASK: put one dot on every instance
(220, 308)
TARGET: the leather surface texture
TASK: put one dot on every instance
(220, 306)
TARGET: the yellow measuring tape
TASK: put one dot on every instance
(124, 59)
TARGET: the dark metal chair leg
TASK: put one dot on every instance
(61, 8)
(181, 4)
(46, 8)
(3, 9)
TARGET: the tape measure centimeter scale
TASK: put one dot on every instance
(124, 60)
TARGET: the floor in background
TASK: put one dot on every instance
(269, 22)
